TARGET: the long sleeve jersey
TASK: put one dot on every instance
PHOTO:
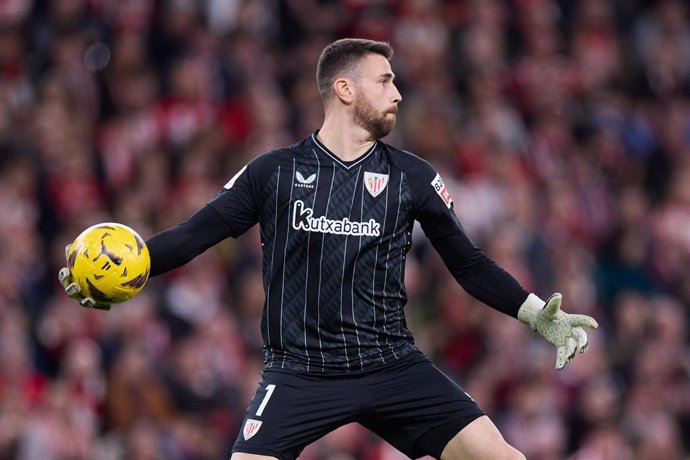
(335, 236)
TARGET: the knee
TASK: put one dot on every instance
(513, 454)
(503, 451)
(508, 452)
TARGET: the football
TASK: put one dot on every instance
(110, 262)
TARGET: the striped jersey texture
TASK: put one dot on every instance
(335, 236)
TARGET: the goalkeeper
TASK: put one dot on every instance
(336, 211)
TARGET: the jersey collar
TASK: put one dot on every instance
(344, 164)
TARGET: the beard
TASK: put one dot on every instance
(377, 124)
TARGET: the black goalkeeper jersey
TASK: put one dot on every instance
(335, 236)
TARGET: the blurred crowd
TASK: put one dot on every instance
(562, 127)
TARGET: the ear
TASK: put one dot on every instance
(344, 90)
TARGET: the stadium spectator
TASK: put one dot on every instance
(562, 127)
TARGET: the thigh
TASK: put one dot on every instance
(291, 410)
(241, 456)
(480, 440)
(417, 408)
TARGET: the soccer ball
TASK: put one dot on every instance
(110, 262)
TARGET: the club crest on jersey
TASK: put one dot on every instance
(442, 190)
(304, 182)
(375, 182)
(251, 427)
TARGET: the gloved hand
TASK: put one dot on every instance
(73, 290)
(562, 330)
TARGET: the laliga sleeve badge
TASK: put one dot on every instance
(251, 427)
(442, 190)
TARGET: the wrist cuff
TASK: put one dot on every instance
(529, 309)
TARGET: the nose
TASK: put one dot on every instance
(397, 97)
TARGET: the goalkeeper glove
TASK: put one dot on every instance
(73, 290)
(562, 330)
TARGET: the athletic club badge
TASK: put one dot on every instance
(375, 182)
(251, 427)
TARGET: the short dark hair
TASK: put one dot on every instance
(342, 56)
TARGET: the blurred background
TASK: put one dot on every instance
(562, 127)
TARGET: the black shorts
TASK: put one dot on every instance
(410, 404)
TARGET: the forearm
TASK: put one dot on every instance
(480, 276)
(178, 245)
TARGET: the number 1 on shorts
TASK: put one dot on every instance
(262, 406)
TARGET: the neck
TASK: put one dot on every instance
(344, 139)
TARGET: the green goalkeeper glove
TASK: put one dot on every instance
(73, 290)
(562, 330)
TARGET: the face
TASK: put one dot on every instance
(376, 98)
